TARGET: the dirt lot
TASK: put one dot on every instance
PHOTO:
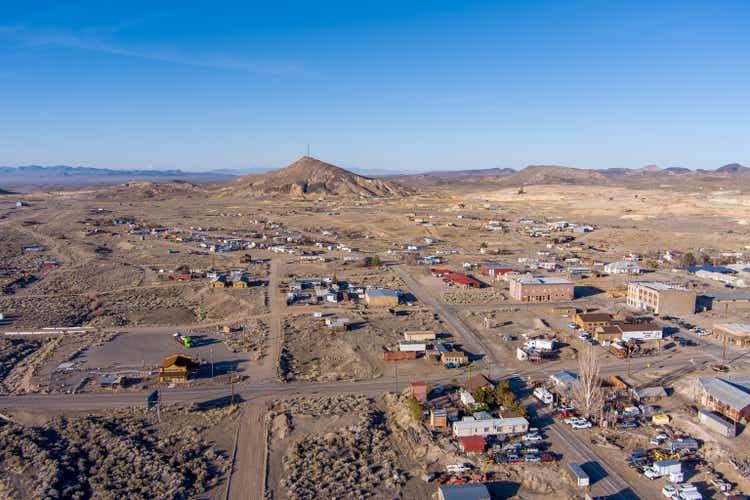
(313, 352)
(119, 454)
(336, 447)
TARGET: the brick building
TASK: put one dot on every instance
(541, 289)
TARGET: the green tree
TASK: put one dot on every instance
(483, 245)
(415, 408)
(375, 262)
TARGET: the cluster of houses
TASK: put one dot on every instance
(234, 279)
(424, 343)
(605, 329)
(457, 412)
(315, 291)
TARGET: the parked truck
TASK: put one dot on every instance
(183, 340)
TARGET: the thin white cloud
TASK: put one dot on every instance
(86, 40)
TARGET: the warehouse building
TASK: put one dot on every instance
(661, 298)
(733, 333)
(727, 395)
(381, 297)
(541, 289)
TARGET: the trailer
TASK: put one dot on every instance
(544, 395)
(576, 472)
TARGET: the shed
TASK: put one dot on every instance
(649, 393)
(478, 381)
(717, 424)
(578, 475)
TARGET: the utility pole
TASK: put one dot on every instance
(211, 352)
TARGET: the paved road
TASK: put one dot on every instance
(611, 483)
(471, 341)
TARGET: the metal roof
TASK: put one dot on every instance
(543, 280)
(732, 390)
(381, 292)
(471, 491)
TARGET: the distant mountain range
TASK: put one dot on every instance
(308, 176)
(38, 175)
(555, 174)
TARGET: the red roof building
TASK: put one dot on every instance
(462, 280)
(471, 444)
(419, 390)
(495, 270)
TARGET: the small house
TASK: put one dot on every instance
(472, 444)
(176, 368)
(219, 282)
(439, 419)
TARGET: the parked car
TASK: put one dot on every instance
(583, 336)
(669, 491)
(514, 459)
(581, 424)
(627, 425)
(457, 468)
(572, 326)
(532, 437)
(548, 457)
(531, 457)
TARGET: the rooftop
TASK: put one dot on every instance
(659, 286)
(470, 491)
(732, 390)
(381, 292)
(736, 329)
(543, 280)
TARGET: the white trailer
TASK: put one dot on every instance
(544, 395)
(578, 475)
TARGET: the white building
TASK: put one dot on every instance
(470, 426)
(412, 345)
(622, 267)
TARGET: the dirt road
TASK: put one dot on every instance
(247, 481)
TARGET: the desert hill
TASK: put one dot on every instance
(147, 190)
(311, 176)
(552, 174)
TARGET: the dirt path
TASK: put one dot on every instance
(249, 471)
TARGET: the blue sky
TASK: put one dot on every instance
(401, 86)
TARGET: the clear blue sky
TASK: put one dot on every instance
(377, 85)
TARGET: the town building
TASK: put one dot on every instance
(733, 333)
(423, 335)
(412, 345)
(381, 297)
(452, 356)
(472, 444)
(496, 270)
(622, 267)
(478, 381)
(541, 289)
(591, 321)
(728, 395)
(439, 418)
(661, 298)
(471, 426)
(176, 368)
(563, 380)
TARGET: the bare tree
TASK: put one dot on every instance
(587, 391)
